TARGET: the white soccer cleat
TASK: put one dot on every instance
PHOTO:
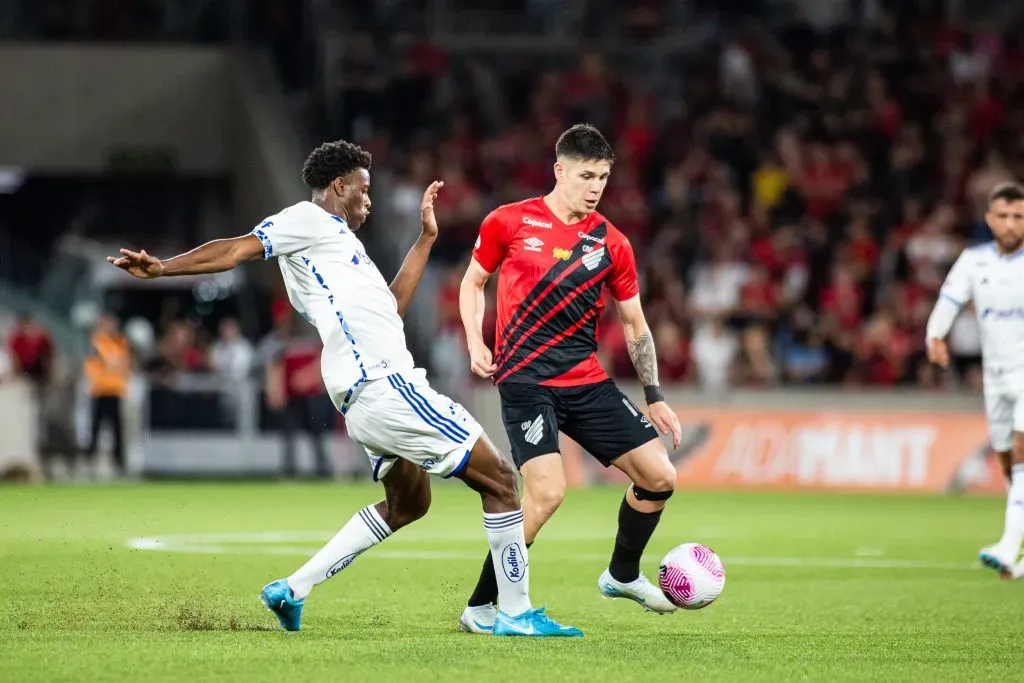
(640, 591)
(998, 559)
(1018, 571)
(478, 619)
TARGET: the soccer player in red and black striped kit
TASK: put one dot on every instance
(556, 253)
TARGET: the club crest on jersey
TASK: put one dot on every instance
(533, 244)
(563, 254)
(593, 259)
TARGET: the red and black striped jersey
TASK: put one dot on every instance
(549, 290)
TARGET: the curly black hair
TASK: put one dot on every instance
(332, 160)
(584, 142)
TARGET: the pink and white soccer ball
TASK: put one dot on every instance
(691, 576)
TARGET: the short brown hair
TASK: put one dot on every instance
(1010, 191)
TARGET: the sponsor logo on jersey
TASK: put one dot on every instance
(533, 244)
(593, 259)
(1003, 313)
(382, 365)
(513, 563)
(563, 254)
(590, 238)
(533, 222)
(341, 564)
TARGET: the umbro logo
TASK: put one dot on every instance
(536, 223)
(533, 244)
(534, 431)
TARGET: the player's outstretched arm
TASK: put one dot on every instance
(640, 344)
(472, 305)
(954, 295)
(212, 257)
(408, 278)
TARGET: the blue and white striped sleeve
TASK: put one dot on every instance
(284, 234)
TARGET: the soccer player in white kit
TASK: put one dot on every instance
(992, 276)
(408, 430)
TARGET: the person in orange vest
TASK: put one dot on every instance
(108, 369)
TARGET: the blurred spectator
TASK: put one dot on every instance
(232, 359)
(296, 389)
(31, 350)
(6, 367)
(714, 351)
(107, 371)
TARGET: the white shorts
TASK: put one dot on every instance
(1004, 407)
(400, 416)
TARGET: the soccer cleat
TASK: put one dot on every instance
(640, 591)
(994, 558)
(277, 597)
(533, 623)
(478, 619)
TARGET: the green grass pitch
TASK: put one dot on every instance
(819, 587)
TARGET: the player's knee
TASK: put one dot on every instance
(658, 485)
(409, 508)
(546, 499)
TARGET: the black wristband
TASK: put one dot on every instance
(653, 394)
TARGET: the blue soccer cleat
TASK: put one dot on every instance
(533, 623)
(277, 597)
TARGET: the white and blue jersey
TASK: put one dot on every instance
(367, 368)
(994, 284)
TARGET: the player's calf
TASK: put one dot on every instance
(654, 480)
(1003, 556)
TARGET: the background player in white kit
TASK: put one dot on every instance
(408, 430)
(992, 276)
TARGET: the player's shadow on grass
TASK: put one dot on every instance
(192, 617)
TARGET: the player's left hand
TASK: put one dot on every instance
(665, 419)
(427, 219)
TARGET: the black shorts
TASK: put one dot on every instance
(598, 417)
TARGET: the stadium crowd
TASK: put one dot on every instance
(794, 200)
(793, 221)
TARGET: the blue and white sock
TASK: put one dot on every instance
(365, 530)
(511, 561)
(1013, 531)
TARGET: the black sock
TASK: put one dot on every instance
(486, 591)
(635, 530)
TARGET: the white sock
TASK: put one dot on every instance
(1013, 531)
(511, 562)
(365, 530)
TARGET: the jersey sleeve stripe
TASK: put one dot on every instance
(947, 297)
(268, 246)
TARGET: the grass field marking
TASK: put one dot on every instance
(249, 544)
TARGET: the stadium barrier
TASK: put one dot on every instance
(813, 440)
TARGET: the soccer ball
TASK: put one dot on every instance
(691, 576)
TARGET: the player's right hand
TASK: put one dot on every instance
(481, 360)
(138, 264)
(938, 352)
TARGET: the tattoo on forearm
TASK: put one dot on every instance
(641, 352)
